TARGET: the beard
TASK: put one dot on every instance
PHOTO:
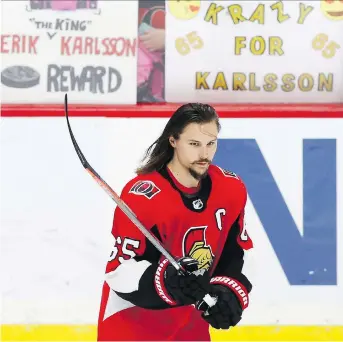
(197, 175)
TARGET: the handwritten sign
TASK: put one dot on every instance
(254, 51)
(84, 48)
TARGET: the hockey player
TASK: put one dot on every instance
(196, 209)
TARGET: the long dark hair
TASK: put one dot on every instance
(161, 152)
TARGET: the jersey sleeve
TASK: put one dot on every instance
(237, 245)
(133, 261)
(230, 268)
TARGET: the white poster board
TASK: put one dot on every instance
(86, 48)
(254, 51)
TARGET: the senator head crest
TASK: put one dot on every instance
(194, 245)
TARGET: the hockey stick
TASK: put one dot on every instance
(121, 204)
(124, 207)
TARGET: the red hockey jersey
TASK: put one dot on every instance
(207, 225)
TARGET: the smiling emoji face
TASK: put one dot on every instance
(184, 9)
(332, 9)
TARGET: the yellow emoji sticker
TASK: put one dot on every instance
(184, 9)
(332, 9)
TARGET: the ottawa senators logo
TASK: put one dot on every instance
(145, 188)
(194, 245)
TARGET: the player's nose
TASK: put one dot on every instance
(204, 153)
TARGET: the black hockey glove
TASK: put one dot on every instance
(232, 299)
(178, 289)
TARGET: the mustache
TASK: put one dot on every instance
(202, 161)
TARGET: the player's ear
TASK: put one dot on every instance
(172, 141)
